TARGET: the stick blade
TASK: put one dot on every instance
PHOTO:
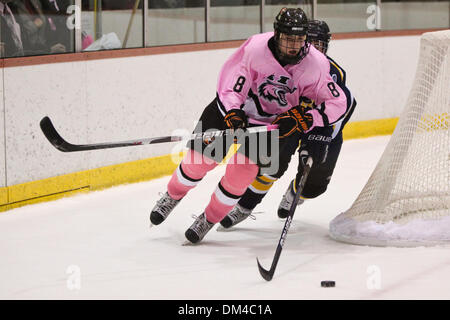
(267, 275)
(53, 136)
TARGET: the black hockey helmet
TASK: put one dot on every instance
(291, 21)
(319, 35)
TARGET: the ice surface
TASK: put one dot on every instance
(101, 241)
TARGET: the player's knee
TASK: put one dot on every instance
(195, 165)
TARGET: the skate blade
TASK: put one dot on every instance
(187, 243)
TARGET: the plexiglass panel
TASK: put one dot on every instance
(397, 15)
(112, 24)
(233, 19)
(175, 22)
(35, 27)
(349, 16)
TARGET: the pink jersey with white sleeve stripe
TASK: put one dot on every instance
(253, 80)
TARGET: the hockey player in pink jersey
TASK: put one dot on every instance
(262, 83)
(323, 144)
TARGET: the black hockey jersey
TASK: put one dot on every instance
(339, 76)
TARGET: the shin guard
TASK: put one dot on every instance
(240, 172)
(189, 173)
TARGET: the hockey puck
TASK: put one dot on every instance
(327, 283)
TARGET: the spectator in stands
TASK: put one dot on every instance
(10, 37)
(43, 26)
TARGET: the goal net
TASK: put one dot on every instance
(406, 201)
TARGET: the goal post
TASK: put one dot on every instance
(406, 200)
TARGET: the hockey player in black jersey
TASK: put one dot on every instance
(323, 144)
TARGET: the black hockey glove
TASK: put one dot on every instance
(316, 143)
(295, 120)
(236, 119)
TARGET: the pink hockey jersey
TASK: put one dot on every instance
(253, 80)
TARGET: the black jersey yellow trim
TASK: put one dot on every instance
(338, 69)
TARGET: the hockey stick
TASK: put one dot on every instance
(59, 143)
(268, 275)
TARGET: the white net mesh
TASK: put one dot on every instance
(406, 201)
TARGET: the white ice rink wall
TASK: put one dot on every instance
(146, 96)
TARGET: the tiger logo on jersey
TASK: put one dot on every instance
(276, 90)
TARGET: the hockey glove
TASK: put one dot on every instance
(236, 119)
(316, 143)
(293, 121)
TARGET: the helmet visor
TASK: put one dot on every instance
(320, 45)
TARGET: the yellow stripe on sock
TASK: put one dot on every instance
(267, 179)
(260, 186)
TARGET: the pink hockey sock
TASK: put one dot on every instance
(189, 173)
(239, 174)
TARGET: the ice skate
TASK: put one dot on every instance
(162, 209)
(235, 216)
(198, 229)
(286, 202)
